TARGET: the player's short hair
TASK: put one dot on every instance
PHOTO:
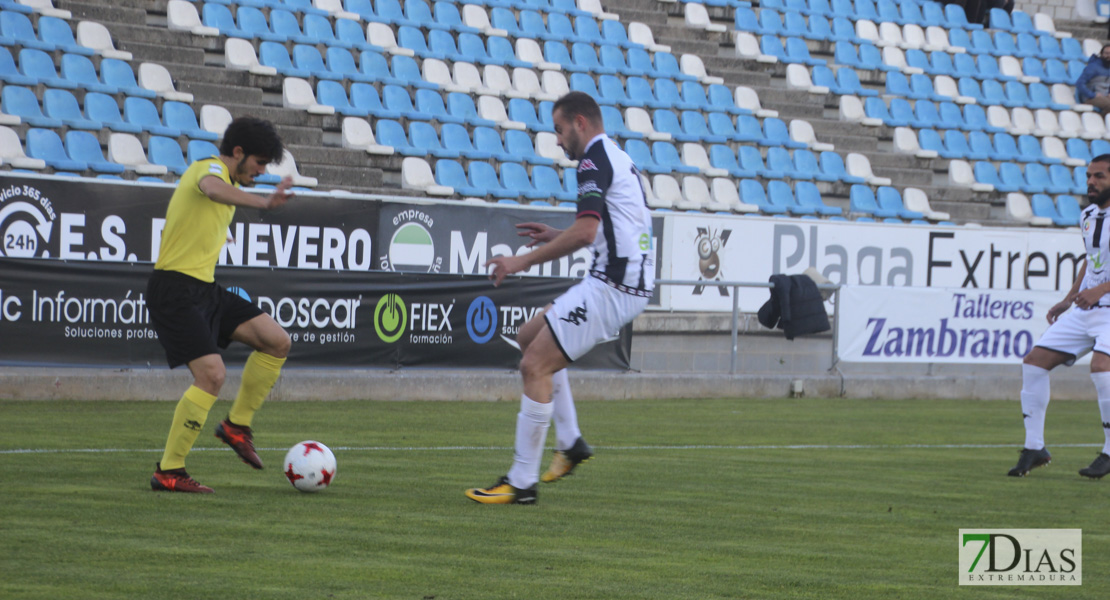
(578, 103)
(255, 136)
(1101, 158)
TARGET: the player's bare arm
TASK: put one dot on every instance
(541, 233)
(578, 235)
(224, 193)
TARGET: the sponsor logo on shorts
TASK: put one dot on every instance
(576, 316)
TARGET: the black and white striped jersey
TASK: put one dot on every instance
(609, 189)
(1095, 225)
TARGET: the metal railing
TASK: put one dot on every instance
(735, 329)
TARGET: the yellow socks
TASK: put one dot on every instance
(259, 375)
(188, 420)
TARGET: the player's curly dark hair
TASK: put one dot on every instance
(255, 136)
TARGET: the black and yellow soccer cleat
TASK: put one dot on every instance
(502, 492)
(564, 461)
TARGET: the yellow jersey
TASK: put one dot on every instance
(196, 226)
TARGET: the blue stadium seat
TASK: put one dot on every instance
(447, 15)
(462, 106)
(612, 92)
(779, 193)
(723, 157)
(770, 23)
(982, 146)
(474, 50)
(561, 28)
(16, 30)
(777, 134)
(1060, 178)
(442, 43)
(390, 133)
(612, 57)
(429, 102)
(411, 37)
(307, 58)
(375, 66)
(890, 199)
(693, 96)
(21, 102)
(62, 105)
(547, 180)
(353, 34)
(39, 66)
(364, 97)
(57, 33)
(958, 18)
(83, 146)
(1030, 150)
(871, 59)
(901, 112)
(666, 155)
(986, 172)
(1078, 148)
(582, 82)
(720, 124)
(1027, 45)
(613, 120)
(587, 29)
(798, 52)
(666, 65)
(397, 99)
(341, 62)
(583, 55)
(614, 33)
(844, 31)
(318, 28)
(1068, 206)
(780, 160)
(519, 145)
(167, 152)
(425, 138)
(457, 140)
(925, 116)
(556, 52)
(44, 144)
(104, 110)
(751, 192)
(752, 160)
(694, 124)
(640, 153)
(523, 111)
(483, 176)
(1079, 180)
(10, 74)
(332, 93)
(418, 11)
(390, 11)
(285, 25)
(957, 144)
(251, 23)
(450, 173)
(516, 180)
(142, 112)
(200, 149)
(808, 195)
(832, 164)
(1006, 148)
(861, 200)
(274, 54)
(1043, 206)
(489, 140)
(749, 129)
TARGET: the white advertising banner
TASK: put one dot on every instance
(940, 325)
(751, 249)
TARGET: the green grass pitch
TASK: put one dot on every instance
(685, 499)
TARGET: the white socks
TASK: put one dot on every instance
(1034, 403)
(566, 418)
(1102, 386)
(531, 432)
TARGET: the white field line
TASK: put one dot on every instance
(607, 448)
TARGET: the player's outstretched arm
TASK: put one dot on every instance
(220, 191)
(567, 241)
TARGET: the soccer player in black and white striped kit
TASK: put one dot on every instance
(1073, 333)
(614, 222)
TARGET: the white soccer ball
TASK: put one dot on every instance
(310, 466)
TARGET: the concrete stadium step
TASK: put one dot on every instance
(119, 12)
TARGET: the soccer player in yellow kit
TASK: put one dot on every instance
(195, 317)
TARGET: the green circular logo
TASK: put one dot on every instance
(390, 318)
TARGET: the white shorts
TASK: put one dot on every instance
(1079, 331)
(589, 313)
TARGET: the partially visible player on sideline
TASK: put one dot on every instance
(613, 220)
(1073, 333)
(195, 317)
